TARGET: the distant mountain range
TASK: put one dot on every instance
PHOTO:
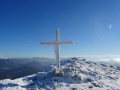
(18, 67)
(13, 68)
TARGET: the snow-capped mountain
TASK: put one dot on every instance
(78, 75)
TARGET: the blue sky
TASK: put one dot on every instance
(94, 25)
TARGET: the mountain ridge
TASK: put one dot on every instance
(79, 74)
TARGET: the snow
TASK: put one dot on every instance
(79, 74)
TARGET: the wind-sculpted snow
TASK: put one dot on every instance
(78, 75)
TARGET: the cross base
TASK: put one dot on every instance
(58, 72)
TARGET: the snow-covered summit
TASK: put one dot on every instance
(78, 75)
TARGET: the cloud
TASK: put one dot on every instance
(116, 59)
(110, 26)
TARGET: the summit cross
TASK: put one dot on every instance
(56, 44)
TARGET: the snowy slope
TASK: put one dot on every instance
(78, 75)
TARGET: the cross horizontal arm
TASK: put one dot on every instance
(66, 42)
(56, 42)
(48, 43)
